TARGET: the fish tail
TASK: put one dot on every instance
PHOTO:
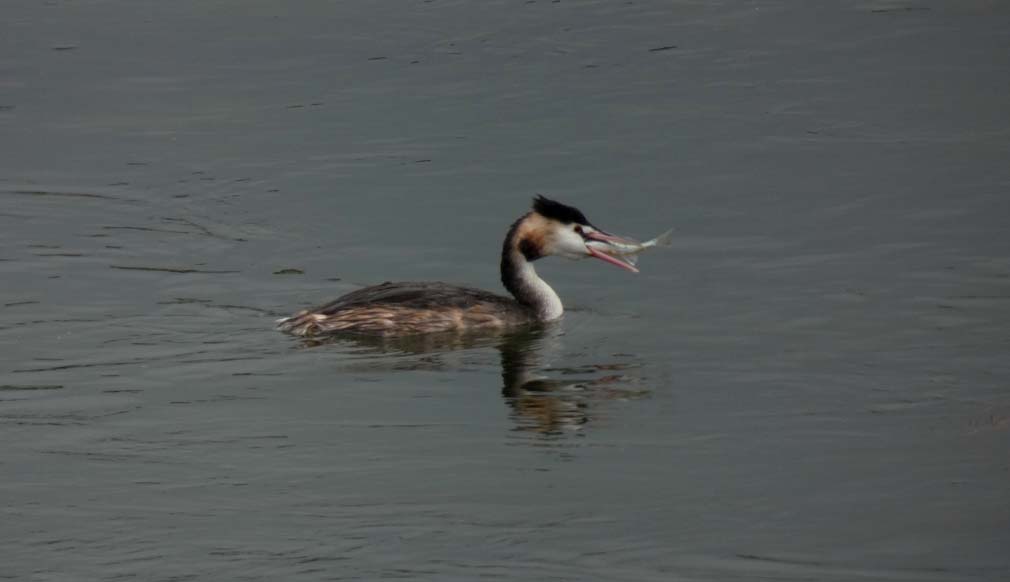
(665, 239)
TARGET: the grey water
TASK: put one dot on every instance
(811, 384)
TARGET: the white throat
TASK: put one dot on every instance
(543, 298)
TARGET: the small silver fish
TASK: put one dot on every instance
(629, 250)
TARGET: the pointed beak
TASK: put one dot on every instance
(606, 237)
(608, 240)
(611, 259)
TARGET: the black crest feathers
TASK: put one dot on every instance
(561, 212)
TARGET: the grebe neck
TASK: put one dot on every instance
(521, 279)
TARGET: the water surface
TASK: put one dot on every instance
(811, 385)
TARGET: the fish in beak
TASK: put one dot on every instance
(620, 251)
(572, 236)
(607, 247)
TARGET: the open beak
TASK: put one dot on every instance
(606, 237)
(608, 240)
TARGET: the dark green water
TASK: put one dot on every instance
(812, 384)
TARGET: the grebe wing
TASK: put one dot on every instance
(416, 295)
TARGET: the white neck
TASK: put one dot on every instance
(529, 289)
(547, 302)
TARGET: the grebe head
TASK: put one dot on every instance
(554, 228)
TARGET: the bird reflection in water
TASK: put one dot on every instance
(552, 400)
(542, 399)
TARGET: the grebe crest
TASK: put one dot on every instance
(550, 228)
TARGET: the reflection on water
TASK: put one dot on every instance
(824, 352)
(543, 399)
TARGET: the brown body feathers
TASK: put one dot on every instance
(407, 309)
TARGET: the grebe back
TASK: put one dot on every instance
(408, 308)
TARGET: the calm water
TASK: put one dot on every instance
(812, 384)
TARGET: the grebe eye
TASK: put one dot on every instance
(578, 229)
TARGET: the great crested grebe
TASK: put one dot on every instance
(397, 309)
